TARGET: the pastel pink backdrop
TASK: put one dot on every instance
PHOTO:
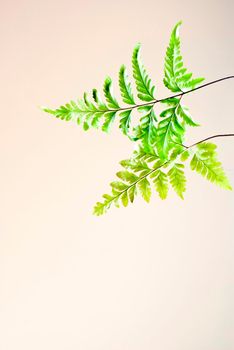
(157, 276)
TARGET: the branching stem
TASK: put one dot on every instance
(204, 140)
(153, 102)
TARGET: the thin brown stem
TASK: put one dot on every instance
(153, 102)
(208, 138)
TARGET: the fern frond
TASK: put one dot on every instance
(134, 179)
(183, 112)
(110, 99)
(178, 179)
(146, 131)
(98, 100)
(176, 77)
(125, 120)
(83, 112)
(160, 180)
(125, 87)
(109, 119)
(170, 131)
(144, 189)
(143, 82)
(160, 140)
(205, 163)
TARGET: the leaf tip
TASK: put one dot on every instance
(46, 110)
(136, 49)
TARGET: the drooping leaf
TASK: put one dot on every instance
(160, 181)
(178, 179)
(147, 129)
(109, 119)
(125, 120)
(183, 113)
(170, 131)
(144, 189)
(205, 163)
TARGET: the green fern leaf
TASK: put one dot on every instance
(110, 99)
(147, 130)
(132, 192)
(143, 82)
(100, 208)
(125, 87)
(160, 181)
(127, 176)
(205, 163)
(63, 112)
(185, 155)
(132, 180)
(109, 119)
(125, 120)
(144, 189)
(83, 111)
(124, 199)
(118, 186)
(178, 179)
(176, 77)
(170, 131)
(183, 113)
(100, 104)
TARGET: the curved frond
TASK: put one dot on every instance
(146, 131)
(125, 87)
(143, 82)
(176, 76)
(170, 131)
(110, 99)
(125, 120)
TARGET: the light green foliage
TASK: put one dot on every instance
(177, 78)
(125, 87)
(146, 131)
(170, 130)
(172, 126)
(136, 178)
(178, 179)
(205, 163)
(143, 82)
(110, 99)
(160, 180)
(160, 159)
(125, 120)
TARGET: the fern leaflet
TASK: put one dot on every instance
(205, 163)
(143, 82)
(125, 87)
(176, 77)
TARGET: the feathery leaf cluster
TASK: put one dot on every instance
(159, 162)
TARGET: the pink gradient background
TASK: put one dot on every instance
(157, 276)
